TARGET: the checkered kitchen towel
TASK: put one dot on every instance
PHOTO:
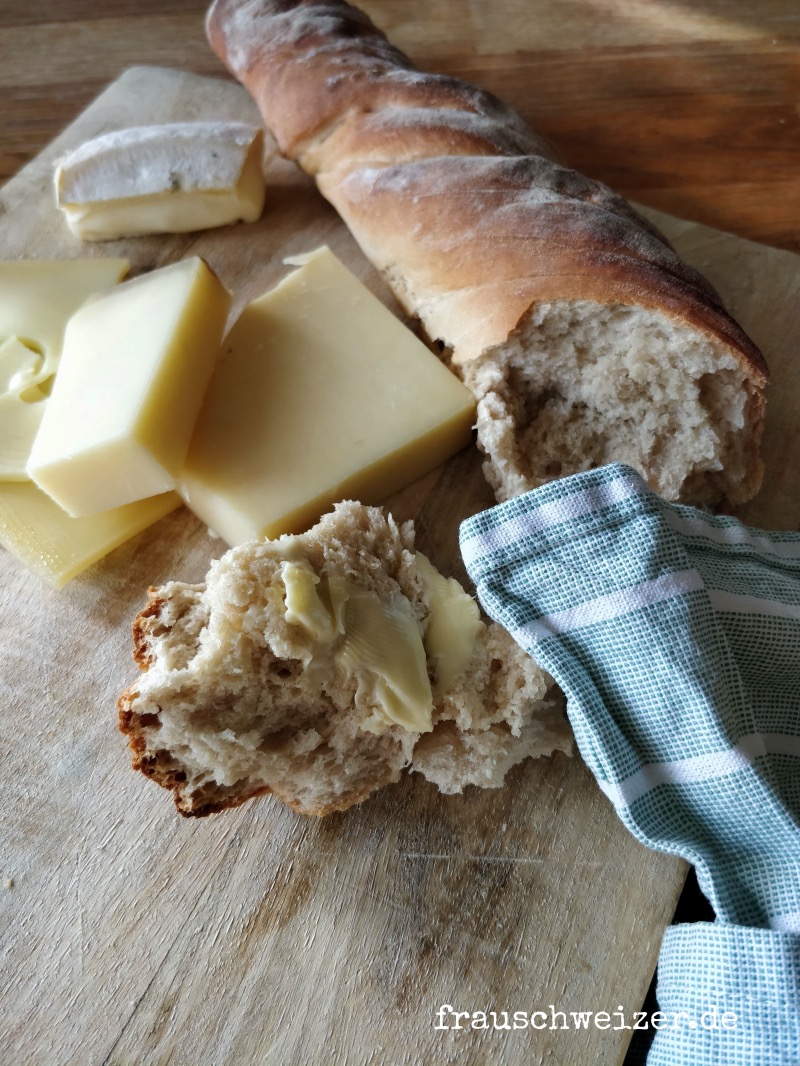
(676, 637)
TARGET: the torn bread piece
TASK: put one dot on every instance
(319, 666)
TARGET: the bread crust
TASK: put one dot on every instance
(159, 765)
(423, 166)
(463, 208)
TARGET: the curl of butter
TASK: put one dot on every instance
(379, 642)
(454, 624)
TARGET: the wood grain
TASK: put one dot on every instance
(688, 107)
(131, 936)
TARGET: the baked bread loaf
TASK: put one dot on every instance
(584, 337)
(320, 666)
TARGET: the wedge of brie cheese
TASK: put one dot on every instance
(163, 179)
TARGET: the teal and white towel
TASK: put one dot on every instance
(676, 638)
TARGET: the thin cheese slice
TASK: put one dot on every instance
(163, 179)
(133, 374)
(321, 394)
(56, 547)
(37, 299)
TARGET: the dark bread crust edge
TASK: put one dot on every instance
(160, 767)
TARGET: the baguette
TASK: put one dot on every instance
(583, 336)
(241, 695)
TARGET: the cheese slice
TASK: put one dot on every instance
(37, 299)
(321, 394)
(163, 179)
(57, 547)
(133, 373)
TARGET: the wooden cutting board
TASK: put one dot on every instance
(132, 936)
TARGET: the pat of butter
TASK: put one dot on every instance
(37, 299)
(384, 641)
(321, 394)
(305, 605)
(56, 547)
(163, 179)
(379, 643)
(134, 369)
(454, 624)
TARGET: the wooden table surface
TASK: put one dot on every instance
(690, 107)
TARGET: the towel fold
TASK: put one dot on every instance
(676, 638)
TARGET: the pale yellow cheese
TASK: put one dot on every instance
(57, 547)
(21, 404)
(37, 299)
(162, 179)
(321, 394)
(135, 366)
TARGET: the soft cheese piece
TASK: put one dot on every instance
(56, 547)
(320, 394)
(21, 396)
(37, 299)
(163, 179)
(135, 366)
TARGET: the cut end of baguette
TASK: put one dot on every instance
(234, 700)
(580, 384)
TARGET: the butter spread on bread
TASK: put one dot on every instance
(583, 336)
(315, 667)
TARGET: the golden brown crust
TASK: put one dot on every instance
(445, 188)
(141, 628)
(159, 765)
(310, 63)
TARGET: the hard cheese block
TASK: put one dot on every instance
(37, 299)
(57, 547)
(135, 367)
(162, 179)
(321, 394)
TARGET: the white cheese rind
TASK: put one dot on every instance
(135, 367)
(163, 179)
